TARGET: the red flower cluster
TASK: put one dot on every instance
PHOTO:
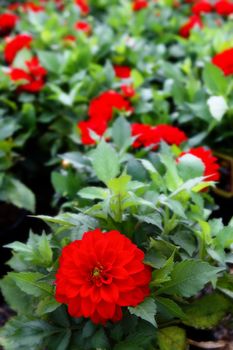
(122, 72)
(139, 5)
(224, 7)
(152, 135)
(224, 61)
(202, 6)
(194, 21)
(7, 23)
(209, 161)
(34, 76)
(28, 6)
(83, 27)
(100, 274)
(83, 6)
(14, 45)
(128, 91)
(101, 111)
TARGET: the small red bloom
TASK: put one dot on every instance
(194, 21)
(102, 107)
(224, 7)
(99, 127)
(128, 91)
(153, 135)
(14, 7)
(224, 61)
(100, 274)
(70, 37)
(34, 76)
(31, 6)
(7, 23)
(83, 27)
(139, 5)
(14, 45)
(83, 6)
(123, 72)
(209, 161)
(202, 6)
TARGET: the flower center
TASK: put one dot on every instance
(100, 275)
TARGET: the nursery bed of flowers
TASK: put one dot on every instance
(117, 117)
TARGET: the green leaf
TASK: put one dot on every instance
(121, 132)
(45, 249)
(172, 338)
(189, 277)
(60, 341)
(52, 61)
(47, 305)
(190, 167)
(14, 297)
(162, 275)
(29, 283)
(207, 312)
(93, 193)
(99, 339)
(20, 59)
(105, 162)
(119, 185)
(146, 310)
(171, 307)
(224, 238)
(18, 194)
(214, 79)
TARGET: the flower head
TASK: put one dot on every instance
(224, 61)
(7, 23)
(128, 91)
(193, 21)
(152, 135)
(100, 274)
(202, 6)
(139, 5)
(83, 26)
(209, 161)
(122, 72)
(33, 76)
(14, 45)
(99, 127)
(224, 7)
(83, 6)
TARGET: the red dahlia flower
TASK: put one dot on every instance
(34, 76)
(139, 5)
(99, 127)
(224, 7)
(224, 61)
(202, 6)
(7, 23)
(209, 161)
(194, 21)
(102, 107)
(128, 91)
(122, 72)
(100, 274)
(83, 6)
(83, 26)
(14, 45)
(153, 135)
(31, 6)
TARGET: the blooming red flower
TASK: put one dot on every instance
(83, 6)
(100, 274)
(224, 7)
(99, 127)
(194, 21)
(224, 61)
(102, 107)
(83, 27)
(34, 76)
(14, 45)
(70, 37)
(152, 135)
(209, 161)
(123, 72)
(128, 91)
(31, 6)
(139, 5)
(15, 6)
(7, 23)
(202, 6)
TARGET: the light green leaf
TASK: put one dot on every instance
(121, 132)
(93, 193)
(29, 283)
(172, 338)
(214, 79)
(190, 167)
(105, 162)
